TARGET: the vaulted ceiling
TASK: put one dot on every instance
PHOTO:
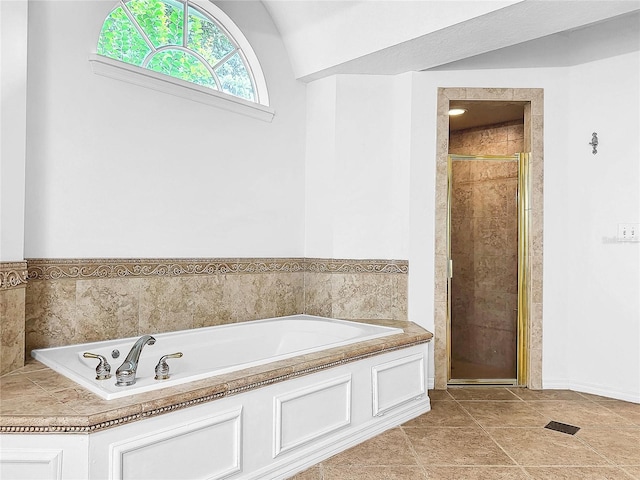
(326, 37)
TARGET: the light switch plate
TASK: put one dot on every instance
(629, 232)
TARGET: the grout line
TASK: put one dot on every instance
(490, 436)
(413, 451)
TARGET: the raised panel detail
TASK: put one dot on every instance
(27, 464)
(208, 448)
(306, 414)
(397, 382)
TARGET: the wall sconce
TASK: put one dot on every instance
(594, 142)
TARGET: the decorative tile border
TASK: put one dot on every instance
(319, 265)
(55, 269)
(13, 275)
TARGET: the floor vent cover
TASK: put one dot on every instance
(562, 427)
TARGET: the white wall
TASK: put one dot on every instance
(13, 90)
(591, 340)
(591, 286)
(321, 35)
(117, 170)
(603, 281)
(357, 167)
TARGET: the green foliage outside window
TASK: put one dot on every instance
(150, 34)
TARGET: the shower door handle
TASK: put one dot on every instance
(450, 268)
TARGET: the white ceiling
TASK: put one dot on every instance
(326, 37)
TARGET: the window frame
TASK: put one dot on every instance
(260, 109)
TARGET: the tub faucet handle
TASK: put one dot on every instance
(162, 368)
(103, 370)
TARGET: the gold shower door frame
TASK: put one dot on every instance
(524, 279)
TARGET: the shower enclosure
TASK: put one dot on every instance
(488, 212)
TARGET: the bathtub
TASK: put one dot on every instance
(208, 351)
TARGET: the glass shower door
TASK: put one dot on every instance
(484, 252)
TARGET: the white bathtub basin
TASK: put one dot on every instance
(208, 351)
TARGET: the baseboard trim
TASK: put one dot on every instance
(592, 388)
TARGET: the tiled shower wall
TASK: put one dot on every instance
(484, 246)
(502, 139)
(72, 301)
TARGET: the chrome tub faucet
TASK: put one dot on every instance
(126, 373)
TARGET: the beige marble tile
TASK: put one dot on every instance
(544, 447)
(577, 473)
(627, 410)
(455, 446)
(388, 448)
(207, 302)
(312, 473)
(254, 296)
(481, 393)
(598, 398)
(317, 359)
(451, 93)
(318, 294)
(50, 313)
(504, 414)
(29, 402)
(442, 414)
(440, 395)
(288, 291)
(489, 93)
(537, 128)
(258, 375)
(546, 395)
(49, 380)
(633, 471)
(84, 402)
(440, 345)
(578, 413)
(12, 329)
(377, 472)
(535, 347)
(620, 446)
(475, 473)
(400, 301)
(30, 365)
(362, 295)
(107, 308)
(534, 95)
(166, 305)
(16, 386)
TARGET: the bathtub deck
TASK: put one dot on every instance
(35, 399)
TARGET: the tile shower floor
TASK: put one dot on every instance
(478, 433)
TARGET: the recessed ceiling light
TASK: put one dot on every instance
(457, 111)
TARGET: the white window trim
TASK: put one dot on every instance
(109, 67)
(112, 68)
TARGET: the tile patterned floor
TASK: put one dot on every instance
(478, 433)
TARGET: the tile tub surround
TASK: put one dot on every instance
(84, 300)
(35, 399)
(13, 280)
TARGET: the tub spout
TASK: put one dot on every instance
(126, 373)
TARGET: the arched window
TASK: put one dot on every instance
(190, 40)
